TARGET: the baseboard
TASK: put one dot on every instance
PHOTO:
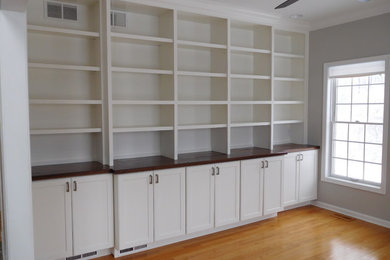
(354, 214)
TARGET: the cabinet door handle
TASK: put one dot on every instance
(298, 157)
(150, 179)
(157, 179)
(74, 185)
(212, 171)
(301, 157)
(266, 164)
(67, 187)
(217, 170)
(262, 164)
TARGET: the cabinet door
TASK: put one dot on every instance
(133, 209)
(290, 179)
(308, 176)
(52, 219)
(252, 179)
(273, 185)
(169, 203)
(92, 202)
(200, 198)
(227, 193)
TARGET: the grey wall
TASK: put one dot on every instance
(363, 38)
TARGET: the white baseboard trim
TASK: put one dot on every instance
(351, 213)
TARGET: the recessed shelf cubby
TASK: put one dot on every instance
(202, 116)
(289, 91)
(288, 113)
(244, 63)
(289, 43)
(192, 88)
(202, 140)
(201, 28)
(247, 36)
(250, 89)
(257, 136)
(250, 114)
(286, 67)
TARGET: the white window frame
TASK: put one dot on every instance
(327, 127)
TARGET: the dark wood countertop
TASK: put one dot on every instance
(152, 163)
(68, 170)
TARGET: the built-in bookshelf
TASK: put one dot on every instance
(159, 81)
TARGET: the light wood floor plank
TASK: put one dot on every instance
(304, 233)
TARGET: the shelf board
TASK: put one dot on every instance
(288, 102)
(202, 74)
(289, 79)
(289, 55)
(251, 102)
(188, 102)
(64, 131)
(60, 31)
(249, 50)
(64, 102)
(143, 71)
(142, 102)
(62, 67)
(140, 38)
(284, 122)
(204, 126)
(249, 76)
(201, 44)
(250, 124)
(142, 129)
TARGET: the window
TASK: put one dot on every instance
(356, 105)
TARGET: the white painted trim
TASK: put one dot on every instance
(350, 17)
(354, 214)
(326, 132)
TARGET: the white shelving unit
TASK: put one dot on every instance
(160, 82)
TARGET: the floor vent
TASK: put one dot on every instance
(343, 217)
(74, 257)
(140, 247)
(126, 250)
(90, 254)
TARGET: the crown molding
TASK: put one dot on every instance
(350, 17)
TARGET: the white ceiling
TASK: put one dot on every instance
(318, 13)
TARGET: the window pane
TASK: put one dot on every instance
(374, 134)
(340, 131)
(375, 114)
(340, 149)
(377, 94)
(360, 80)
(373, 153)
(377, 79)
(343, 95)
(356, 151)
(355, 170)
(360, 94)
(373, 172)
(359, 113)
(344, 82)
(356, 132)
(343, 113)
(339, 167)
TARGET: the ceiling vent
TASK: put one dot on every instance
(118, 19)
(62, 11)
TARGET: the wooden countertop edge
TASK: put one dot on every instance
(70, 175)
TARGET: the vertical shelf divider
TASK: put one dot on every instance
(229, 106)
(175, 87)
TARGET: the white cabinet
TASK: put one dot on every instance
(150, 206)
(212, 196)
(261, 181)
(300, 177)
(72, 216)
(52, 219)
(252, 187)
(273, 170)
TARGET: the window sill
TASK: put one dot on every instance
(351, 184)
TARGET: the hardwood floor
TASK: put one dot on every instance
(303, 233)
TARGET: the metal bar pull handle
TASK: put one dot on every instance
(266, 162)
(67, 186)
(262, 164)
(298, 157)
(301, 157)
(212, 171)
(150, 179)
(217, 170)
(74, 185)
(157, 179)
